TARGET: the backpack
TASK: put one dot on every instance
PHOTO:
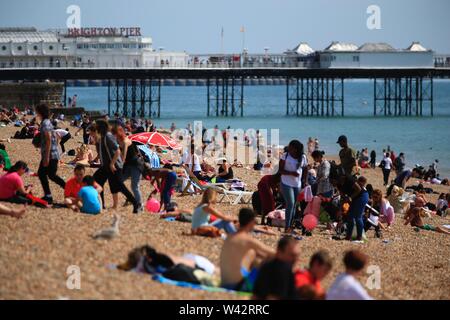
(36, 141)
(382, 164)
(336, 171)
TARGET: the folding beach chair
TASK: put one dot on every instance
(234, 197)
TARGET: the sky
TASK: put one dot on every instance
(196, 25)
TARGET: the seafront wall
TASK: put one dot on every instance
(27, 94)
(184, 82)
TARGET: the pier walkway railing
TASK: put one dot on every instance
(309, 91)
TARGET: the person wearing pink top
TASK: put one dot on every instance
(12, 188)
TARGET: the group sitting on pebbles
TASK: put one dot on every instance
(336, 195)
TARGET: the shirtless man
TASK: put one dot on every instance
(240, 252)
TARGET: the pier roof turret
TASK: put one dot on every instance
(376, 47)
(303, 49)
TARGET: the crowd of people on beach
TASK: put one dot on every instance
(311, 192)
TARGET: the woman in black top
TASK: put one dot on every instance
(225, 172)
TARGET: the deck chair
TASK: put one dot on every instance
(193, 181)
(234, 196)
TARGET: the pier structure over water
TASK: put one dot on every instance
(319, 92)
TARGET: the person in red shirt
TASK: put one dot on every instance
(268, 187)
(307, 282)
(74, 185)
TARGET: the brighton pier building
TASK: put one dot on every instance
(83, 47)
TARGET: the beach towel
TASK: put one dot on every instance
(183, 284)
(161, 279)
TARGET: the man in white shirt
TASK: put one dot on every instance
(386, 167)
(346, 286)
(63, 136)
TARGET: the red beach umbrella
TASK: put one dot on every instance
(155, 139)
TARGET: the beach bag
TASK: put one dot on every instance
(307, 194)
(276, 218)
(38, 202)
(313, 207)
(355, 235)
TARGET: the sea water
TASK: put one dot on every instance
(422, 139)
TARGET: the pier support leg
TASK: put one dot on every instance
(208, 97)
(109, 97)
(65, 93)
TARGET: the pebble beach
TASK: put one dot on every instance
(36, 251)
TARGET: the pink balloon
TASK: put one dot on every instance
(152, 205)
(310, 222)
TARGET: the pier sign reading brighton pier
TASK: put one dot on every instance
(104, 32)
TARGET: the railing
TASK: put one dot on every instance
(442, 61)
(192, 62)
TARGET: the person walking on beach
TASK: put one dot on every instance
(293, 170)
(400, 163)
(85, 126)
(386, 166)
(48, 166)
(74, 101)
(111, 165)
(348, 157)
(373, 159)
(133, 165)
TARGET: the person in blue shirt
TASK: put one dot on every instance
(88, 197)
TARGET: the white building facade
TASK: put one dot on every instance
(117, 48)
(375, 55)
